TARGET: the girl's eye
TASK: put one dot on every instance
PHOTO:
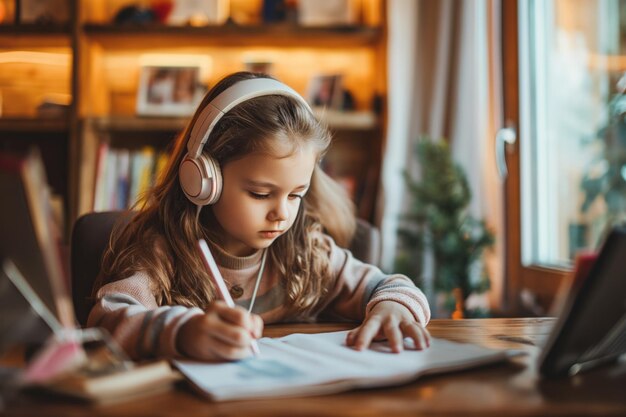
(294, 196)
(258, 196)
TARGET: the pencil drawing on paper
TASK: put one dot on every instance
(266, 368)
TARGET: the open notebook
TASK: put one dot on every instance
(314, 364)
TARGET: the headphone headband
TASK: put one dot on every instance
(200, 175)
(229, 98)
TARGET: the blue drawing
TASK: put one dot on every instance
(266, 368)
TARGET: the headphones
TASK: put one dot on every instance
(200, 175)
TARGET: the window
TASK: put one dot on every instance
(573, 158)
(564, 89)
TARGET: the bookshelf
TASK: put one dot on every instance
(99, 68)
(36, 64)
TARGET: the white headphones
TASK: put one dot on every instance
(200, 175)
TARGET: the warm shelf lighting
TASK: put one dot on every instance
(33, 57)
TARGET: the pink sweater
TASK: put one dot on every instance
(128, 309)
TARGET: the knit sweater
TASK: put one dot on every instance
(129, 311)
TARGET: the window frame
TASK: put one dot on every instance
(544, 282)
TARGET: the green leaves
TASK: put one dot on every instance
(437, 221)
(605, 177)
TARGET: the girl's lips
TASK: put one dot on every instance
(270, 234)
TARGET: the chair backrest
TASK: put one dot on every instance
(92, 231)
(365, 244)
(90, 237)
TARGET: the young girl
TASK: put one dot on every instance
(245, 177)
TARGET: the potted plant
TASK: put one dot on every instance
(439, 234)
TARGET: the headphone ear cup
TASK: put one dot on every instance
(200, 179)
(214, 177)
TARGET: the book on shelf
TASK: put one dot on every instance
(123, 176)
(122, 171)
(315, 364)
(99, 190)
(143, 162)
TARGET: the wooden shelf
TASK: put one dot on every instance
(33, 35)
(139, 124)
(34, 29)
(154, 36)
(337, 120)
(348, 120)
(33, 125)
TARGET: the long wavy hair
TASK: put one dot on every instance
(160, 239)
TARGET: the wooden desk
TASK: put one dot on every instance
(511, 389)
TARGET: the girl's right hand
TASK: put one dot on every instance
(222, 333)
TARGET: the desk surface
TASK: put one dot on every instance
(511, 389)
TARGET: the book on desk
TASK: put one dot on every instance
(111, 387)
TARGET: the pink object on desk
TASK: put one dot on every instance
(58, 356)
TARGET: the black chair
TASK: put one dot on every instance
(90, 238)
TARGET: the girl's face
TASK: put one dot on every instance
(261, 197)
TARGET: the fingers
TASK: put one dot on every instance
(240, 317)
(257, 326)
(351, 337)
(214, 325)
(225, 333)
(417, 332)
(361, 337)
(207, 337)
(237, 316)
(221, 349)
(394, 336)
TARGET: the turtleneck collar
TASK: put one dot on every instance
(229, 261)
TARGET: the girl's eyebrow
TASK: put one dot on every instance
(272, 186)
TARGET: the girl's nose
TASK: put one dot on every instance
(280, 212)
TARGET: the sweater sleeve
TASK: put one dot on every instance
(360, 286)
(129, 311)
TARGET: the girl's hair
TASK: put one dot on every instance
(161, 238)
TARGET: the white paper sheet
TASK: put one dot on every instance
(313, 364)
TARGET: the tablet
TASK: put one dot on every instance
(591, 329)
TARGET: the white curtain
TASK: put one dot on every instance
(444, 81)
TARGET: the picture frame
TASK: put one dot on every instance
(327, 12)
(326, 91)
(168, 90)
(43, 11)
(199, 12)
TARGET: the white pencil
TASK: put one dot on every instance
(218, 280)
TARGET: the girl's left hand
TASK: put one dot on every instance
(392, 321)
